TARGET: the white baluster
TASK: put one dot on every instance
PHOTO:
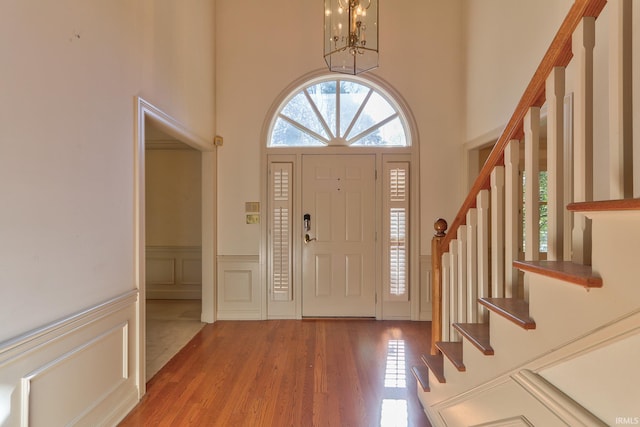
(497, 232)
(462, 273)
(482, 204)
(583, 42)
(555, 90)
(453, 289)
(532, 184)
(472, 265)
(568, 176)
(446, 297)
(620, 99)
(512, 201)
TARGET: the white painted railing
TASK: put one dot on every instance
(475, 259)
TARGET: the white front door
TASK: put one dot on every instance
(338, 256)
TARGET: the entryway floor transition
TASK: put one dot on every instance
(170, 326)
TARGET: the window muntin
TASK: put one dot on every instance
(338, 112)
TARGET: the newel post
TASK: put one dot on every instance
(440, 227)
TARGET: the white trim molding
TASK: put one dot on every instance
(240, 290)
(77, 370)
(143, 112)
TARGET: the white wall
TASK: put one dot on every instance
(69, 73)
(505, 42)
(173, 208)
(420, 56)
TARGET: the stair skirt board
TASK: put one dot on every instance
(550, 390)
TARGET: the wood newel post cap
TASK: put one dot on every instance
(440, 227)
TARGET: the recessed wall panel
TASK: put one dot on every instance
(353, 220)
(353, 269)
(322, 220)
(61, 392)
(237, 286)
(324, 271)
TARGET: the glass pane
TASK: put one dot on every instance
(299, 110)
(286, 135)
(310, 118)
(390, 135)
(544, 231)
(351, 97)
(323, 96)
(376, 110)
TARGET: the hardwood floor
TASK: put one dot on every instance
(291, 373)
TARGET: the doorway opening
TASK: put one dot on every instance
(195, 264)
(173, 246)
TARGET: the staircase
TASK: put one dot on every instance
(518, 339)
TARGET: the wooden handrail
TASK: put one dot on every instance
(558, 55)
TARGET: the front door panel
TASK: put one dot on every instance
(339, 256)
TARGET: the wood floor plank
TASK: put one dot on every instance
(289, 373)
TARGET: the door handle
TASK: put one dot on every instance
(308, 239)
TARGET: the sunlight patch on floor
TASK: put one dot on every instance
(394, 412)
(396, 372)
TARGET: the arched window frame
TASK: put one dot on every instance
(327, 124)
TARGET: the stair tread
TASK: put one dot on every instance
(605, 205)
(578, 274)
(421, 372)
(453, 351)
(435, 364)
(514, 309)
(477, 334)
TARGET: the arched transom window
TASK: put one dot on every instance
(339, 111)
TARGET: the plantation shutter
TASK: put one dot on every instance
(281, 205)
(396, 240)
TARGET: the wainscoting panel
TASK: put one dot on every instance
(81, 370)
(173, 272)
(239, 288)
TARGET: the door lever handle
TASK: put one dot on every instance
(308, 239)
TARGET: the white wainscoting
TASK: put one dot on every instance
(426, 307)
(81, 370)
(239, 288)
(173, 272)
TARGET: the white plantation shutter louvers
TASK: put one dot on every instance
(281, 206)
(396, 228)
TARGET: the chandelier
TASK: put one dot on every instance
(351, 35)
